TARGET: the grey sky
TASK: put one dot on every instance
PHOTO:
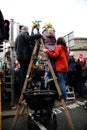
(65, 15)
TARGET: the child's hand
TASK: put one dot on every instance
(44, 50)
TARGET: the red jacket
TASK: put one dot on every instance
(60, 54)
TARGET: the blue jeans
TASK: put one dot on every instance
(52, 62)
(61, 80)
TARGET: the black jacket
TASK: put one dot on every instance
(23, 45)
(71, 64)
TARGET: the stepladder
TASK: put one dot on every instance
(70, 94)
(28, 79)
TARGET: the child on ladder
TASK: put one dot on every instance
(49, 40)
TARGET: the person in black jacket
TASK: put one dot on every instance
(23, 51)
(71, 74)
(79, 79)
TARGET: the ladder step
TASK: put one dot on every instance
(69, 98)
(7, 89)
(70, 93)
(8, 76)
(51, 79)
(7, 82)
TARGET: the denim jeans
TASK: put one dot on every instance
(61, 80)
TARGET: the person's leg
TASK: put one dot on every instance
(23, 71)
(52, 63)
(80, 88)
(61, 80)
(17, 82)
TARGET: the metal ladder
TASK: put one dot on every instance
(70, 94)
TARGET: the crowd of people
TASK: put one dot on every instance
(77, 74)
(68, 70)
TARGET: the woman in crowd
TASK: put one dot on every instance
(60, 56)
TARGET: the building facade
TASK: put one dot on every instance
(80, 47)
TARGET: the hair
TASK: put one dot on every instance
(61, 41)
(24, 28)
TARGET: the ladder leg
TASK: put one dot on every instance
(24, 86)
(0, 108)
(60, 94)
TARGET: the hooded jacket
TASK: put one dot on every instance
(49, 40)
(60, 55)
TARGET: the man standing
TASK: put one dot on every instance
(24, 52)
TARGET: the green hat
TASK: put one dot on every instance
(48, 25)
(35, 23)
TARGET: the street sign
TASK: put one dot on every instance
(69, 38)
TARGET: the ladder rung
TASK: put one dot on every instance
(7, 82)
(70, 98)
(7, 89)
(70, 92)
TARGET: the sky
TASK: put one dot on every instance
(65, 15)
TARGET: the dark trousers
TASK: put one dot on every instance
(23, 71)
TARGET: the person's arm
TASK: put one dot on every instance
(53, 54)
(28, 39)
(32, 37)
(35, 36)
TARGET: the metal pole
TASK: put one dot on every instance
(68, 43)
(18, 28)
(12, 60)
(60, 93)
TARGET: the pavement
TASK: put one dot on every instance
(76, 111)
(8, 111)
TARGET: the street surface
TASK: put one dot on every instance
(78, 115)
